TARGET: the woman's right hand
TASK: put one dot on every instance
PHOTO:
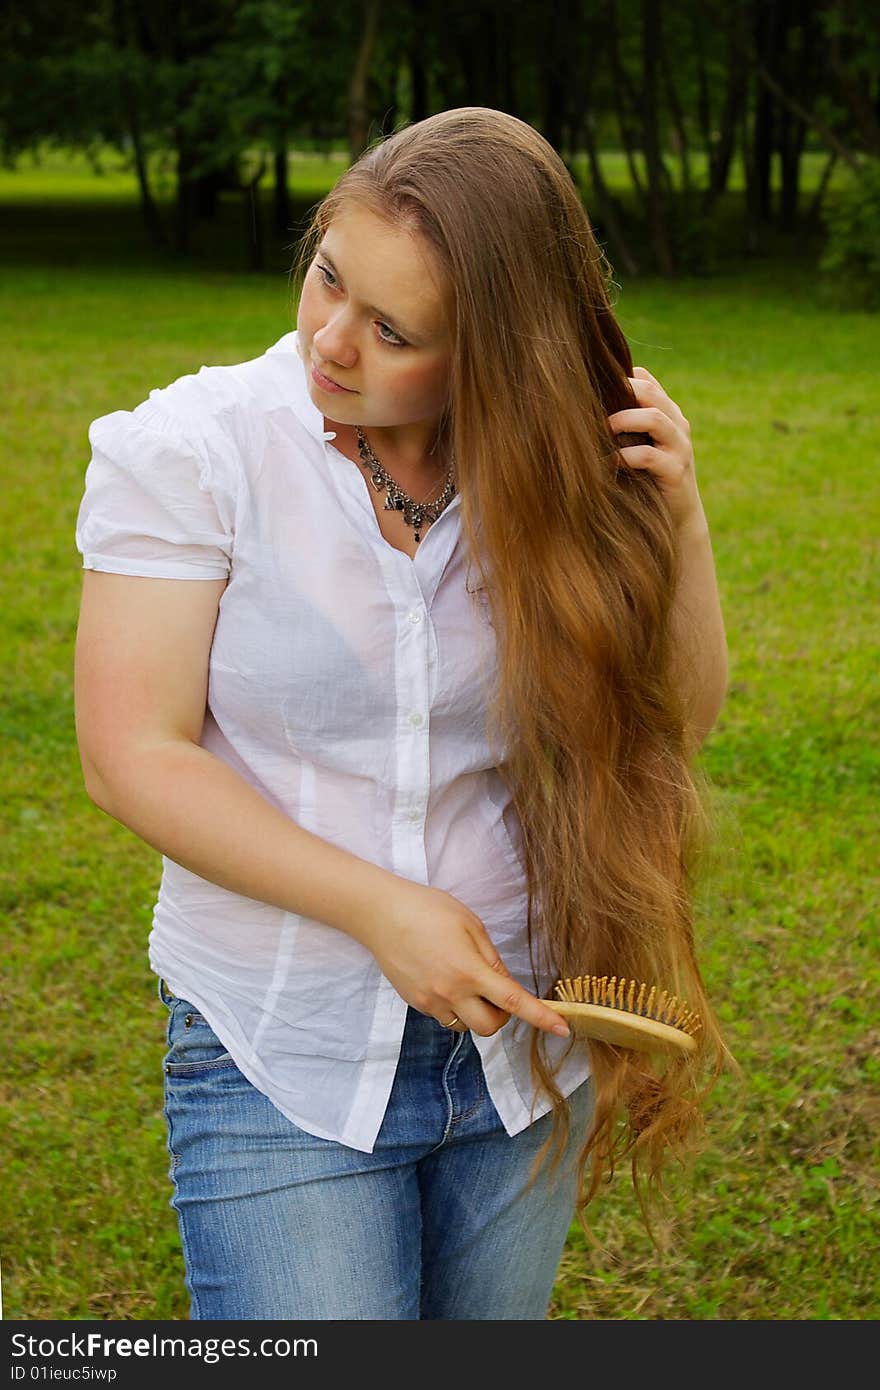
(439, 957)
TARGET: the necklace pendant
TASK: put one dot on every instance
(414, 513)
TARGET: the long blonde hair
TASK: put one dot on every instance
(578, 558)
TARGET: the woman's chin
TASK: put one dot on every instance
(319, 401)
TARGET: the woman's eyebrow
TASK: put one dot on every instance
(391, 319)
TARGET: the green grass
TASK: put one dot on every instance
(55, 172)
(778, 1217)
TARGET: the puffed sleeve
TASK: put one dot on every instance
(156, 502)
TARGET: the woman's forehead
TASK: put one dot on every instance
(390, 268)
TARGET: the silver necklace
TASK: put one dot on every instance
(414, 513)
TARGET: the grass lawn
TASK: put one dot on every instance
(781, 1208)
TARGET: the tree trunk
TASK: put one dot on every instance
(488, 46)
(555, 75)
(721, 153)
(752, 230)
(254, 217)
(815, 208)
(658, 176)
(704, 101)
(624, 101)
(608, 211)
(792, 132)
(185, 203)
(210, 185)
(149, 210)
(679, 125)
(507, 48)
(766, 22)
(358, 88)
(418, 74)
(803, 64)
(722, 150)
(125, 39)
(419, 85)
(281, 194)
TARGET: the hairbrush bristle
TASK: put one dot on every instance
(620, 994)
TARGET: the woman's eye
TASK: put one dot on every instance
(397, 342)
(393, 341)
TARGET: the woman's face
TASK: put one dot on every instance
(371, 319)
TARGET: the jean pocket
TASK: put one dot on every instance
(193, 1046)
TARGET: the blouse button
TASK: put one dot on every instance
(415, 616)
(416, 719)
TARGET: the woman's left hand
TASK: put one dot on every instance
(671, 456)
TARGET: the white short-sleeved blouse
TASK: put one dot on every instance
(347, 684)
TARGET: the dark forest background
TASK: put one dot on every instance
(702, 99)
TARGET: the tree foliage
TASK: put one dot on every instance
(685, 90)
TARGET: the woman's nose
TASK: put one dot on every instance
(334, 343)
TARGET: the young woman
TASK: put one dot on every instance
(398, 648)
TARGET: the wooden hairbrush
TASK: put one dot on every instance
(626, 1014)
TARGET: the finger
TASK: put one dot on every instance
(507, 994)
(647, 387)
(641, 456)
(475, 1015)
(642, 377)
(476, 1011)
(645, 420)
(453, 1023)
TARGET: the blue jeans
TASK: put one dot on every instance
(276, 1223)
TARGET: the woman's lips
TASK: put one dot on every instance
(326, 384)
